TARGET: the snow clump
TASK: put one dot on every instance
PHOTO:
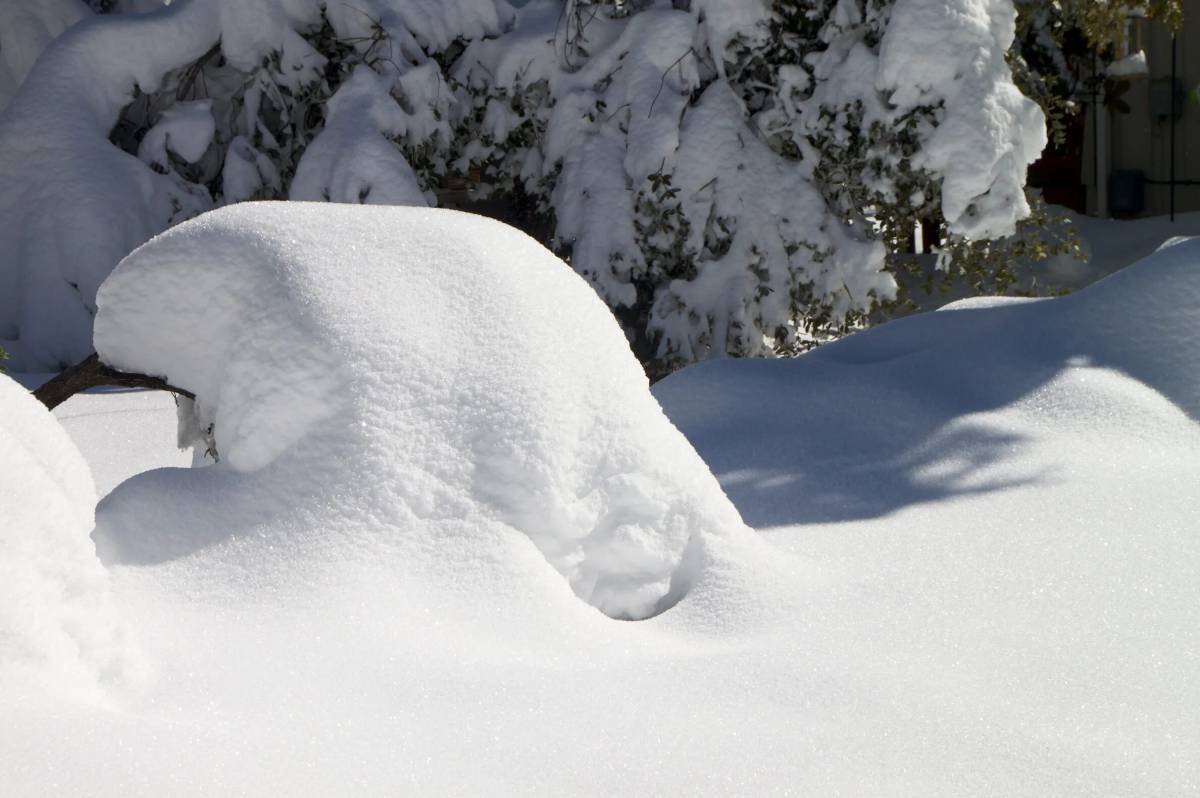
(55, 613)
(400, 380)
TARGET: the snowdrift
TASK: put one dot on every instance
(891, 389)
(978, 574)
(382, 379)
(1003, 496)
(56, 621)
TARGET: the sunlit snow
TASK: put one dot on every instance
(979, 573)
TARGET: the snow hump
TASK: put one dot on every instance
(388, 377)
(55, 615)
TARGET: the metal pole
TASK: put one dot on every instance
(1096, 132)
(1173, 122)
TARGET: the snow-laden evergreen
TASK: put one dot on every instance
(134, 122)
(724, 172)
(728, 175)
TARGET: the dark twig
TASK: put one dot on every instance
(91, 373)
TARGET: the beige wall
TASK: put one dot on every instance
(1138, 141)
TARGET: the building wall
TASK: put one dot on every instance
(1140, 140)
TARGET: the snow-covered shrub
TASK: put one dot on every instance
(55, 613)
(729, 174)
(133, 122)
(26, 27)
(402, 381)
(724, 172)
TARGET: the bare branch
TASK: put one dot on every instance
(91, 373)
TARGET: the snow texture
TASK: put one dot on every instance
(26, 27)
(388, 375)
(352, 159)
(979, 579)
(56, 618)
(186, 129)
(1003, 496)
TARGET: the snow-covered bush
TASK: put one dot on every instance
(724, 173)
(411, 383)
(134, 122)
(26, 27)
(729, 174)
(55, 613)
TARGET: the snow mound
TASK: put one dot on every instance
(999, 503)
(381, 380)
(55, 614)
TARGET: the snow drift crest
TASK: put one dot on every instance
(55, 616)
(387, 374)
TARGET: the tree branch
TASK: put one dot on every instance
(91, 373)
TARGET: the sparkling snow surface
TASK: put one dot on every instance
(56, 623)
(983, 581)
(393, 380)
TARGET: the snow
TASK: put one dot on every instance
(27, 27)
(352, 159)
(650, 133)
(978, 576)
(57, 625)
(1110, 245)
(186, 129)
(122, 434)
(316, 337)
(1001, 497)
(74, 204)
(724, 174)
(1133, 65)
(989, 133)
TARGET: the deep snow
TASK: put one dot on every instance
(981, 580)
(394, 377)
(57, 627)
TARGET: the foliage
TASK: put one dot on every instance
(734, 178)
(658, 211)
(1061, 46)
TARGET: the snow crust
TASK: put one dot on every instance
(56, 618)
(390, 375)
